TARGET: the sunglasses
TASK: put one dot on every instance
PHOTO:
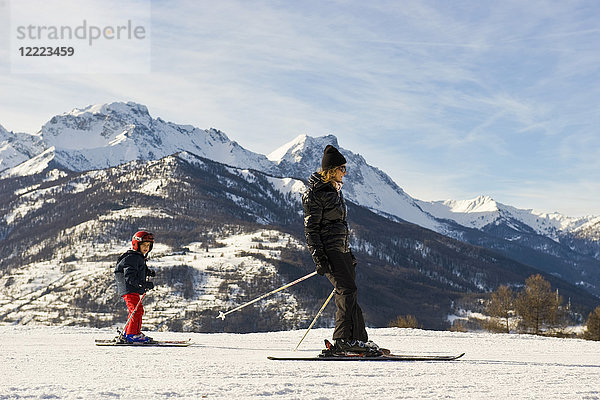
(342, 168)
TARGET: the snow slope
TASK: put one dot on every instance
(50, 362)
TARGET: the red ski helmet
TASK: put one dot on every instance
(141, 236)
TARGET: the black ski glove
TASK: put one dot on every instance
(150, 272)
(323, 266)
(148, 286)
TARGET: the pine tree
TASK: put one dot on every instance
(501, 305)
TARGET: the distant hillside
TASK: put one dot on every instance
(225, 235)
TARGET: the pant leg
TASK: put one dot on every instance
(349, 321)
(138, 315)
(135, 324)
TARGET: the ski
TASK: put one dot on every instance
(362, 357)
(153, 343)
(378, 354)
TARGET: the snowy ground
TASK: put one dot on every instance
(61, 362)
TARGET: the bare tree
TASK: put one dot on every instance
(501, 306)
(592, 331)
(538, 305)
(409, 321)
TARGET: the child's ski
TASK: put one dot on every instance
(156, 343)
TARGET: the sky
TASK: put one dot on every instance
(451, 99)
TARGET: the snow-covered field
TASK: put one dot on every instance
(61, 362)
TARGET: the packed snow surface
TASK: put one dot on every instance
(52, 362)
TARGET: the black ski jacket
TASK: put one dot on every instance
(131, 273)
(325, 223)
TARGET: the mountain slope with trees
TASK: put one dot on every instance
(81, 220)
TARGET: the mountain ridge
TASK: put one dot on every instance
(103, 136)
(224, 235)
(112, 124)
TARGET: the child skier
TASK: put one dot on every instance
(131, 274)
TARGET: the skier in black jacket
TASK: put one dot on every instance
(131, 275)
(327, 236)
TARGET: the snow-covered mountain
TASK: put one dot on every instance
(484, 211)
(365, 185)
(224, 236)
(102, 136)
(107, 135)
(212, 248)
(17, 148)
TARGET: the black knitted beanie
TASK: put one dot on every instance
(332, 158)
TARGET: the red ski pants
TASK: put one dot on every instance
(135, 324)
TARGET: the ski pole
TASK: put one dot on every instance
(134, 310)
(316, 317)
(222, 314)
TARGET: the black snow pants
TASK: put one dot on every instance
(349, 321)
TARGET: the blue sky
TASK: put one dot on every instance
(452, 99)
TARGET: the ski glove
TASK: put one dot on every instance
(148, 285)
(151, 272)
(323, 266)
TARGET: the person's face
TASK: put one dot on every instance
(144, 247)
(340, 172)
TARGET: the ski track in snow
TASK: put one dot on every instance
(63, 362)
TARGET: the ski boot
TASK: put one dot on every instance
(351, 347)
(345, 346)
(137, 338)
